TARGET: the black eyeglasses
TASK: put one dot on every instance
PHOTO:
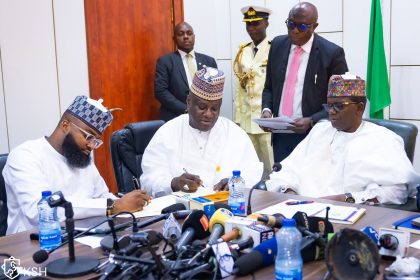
(338, 107)
(302, 27)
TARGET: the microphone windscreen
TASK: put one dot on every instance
(40, 256)
(219, 217)
(261, 256)
(198, 221)
(277, 166)
(173, 208)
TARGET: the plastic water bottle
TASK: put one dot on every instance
(236, 193)
(289, 260)
(48, 225)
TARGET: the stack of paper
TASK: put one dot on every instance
(337, 214)
(278, 125)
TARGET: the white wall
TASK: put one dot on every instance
(43, 60)
(43, 66)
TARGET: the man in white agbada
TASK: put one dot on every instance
(199, 148)
(348, 159)
(63, 162)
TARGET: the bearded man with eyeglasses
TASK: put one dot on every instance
(63, 162)
(298, 69)
(348, 159)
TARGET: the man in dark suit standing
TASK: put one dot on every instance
(174, 72)
(299, 67)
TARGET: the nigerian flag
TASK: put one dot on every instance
(377, 84)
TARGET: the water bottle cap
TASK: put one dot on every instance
(46, 193)
(236, 172)
(289, 223)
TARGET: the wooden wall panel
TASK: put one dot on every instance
(124, 39)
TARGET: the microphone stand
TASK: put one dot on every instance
(261, 185)
(71, 267)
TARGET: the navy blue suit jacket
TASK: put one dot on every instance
(325, 60)
(171, 83)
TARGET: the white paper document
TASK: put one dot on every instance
(337, 214)
(278, 124)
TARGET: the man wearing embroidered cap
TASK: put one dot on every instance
(250, 67)
(348, 159)
(199, 148)
(63, 162)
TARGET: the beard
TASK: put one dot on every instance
(74, 155)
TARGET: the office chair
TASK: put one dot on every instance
(408, 133)
(3, 197)
(127, 149)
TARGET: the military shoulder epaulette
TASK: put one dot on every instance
(245, 45)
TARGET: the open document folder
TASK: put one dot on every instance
(278, 124)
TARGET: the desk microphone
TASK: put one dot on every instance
(41, 256)
(276, 168)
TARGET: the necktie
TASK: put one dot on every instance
(192, 67)
(255, 50)
(289, 91)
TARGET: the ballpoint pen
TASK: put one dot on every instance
(186, 187)
(297, 202)
(136, 183)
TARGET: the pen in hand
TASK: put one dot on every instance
(201, 182)
(136, 183)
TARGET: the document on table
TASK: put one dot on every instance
(289, 210)
(278, 124)
(157, 204)
(337, 214)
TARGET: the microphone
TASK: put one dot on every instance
(274, 221)
(171, 229)
(276, 168)
(261, 256)
(217, 224)
(372, 233)
(239, 228)
(173, 208)
(195, 226)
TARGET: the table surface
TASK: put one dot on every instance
(21, 247)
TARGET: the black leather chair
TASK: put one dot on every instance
(407, 131)
(127, 148)
(3, 197)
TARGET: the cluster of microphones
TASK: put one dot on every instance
(190, 250)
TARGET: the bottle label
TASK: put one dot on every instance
(290, 274)
(49, 238)
(237, 207)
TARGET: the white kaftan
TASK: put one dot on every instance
(212, 155)
(35, 166)
(368, 163)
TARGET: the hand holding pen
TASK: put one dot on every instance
(186, 182)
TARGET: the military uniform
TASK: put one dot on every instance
(250, 71)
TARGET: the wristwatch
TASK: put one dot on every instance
(349, 198)
(110, 204)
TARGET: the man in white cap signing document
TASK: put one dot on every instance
(63, 162)
(348, 159)
(199, 148)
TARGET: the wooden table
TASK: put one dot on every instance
(19, 245)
